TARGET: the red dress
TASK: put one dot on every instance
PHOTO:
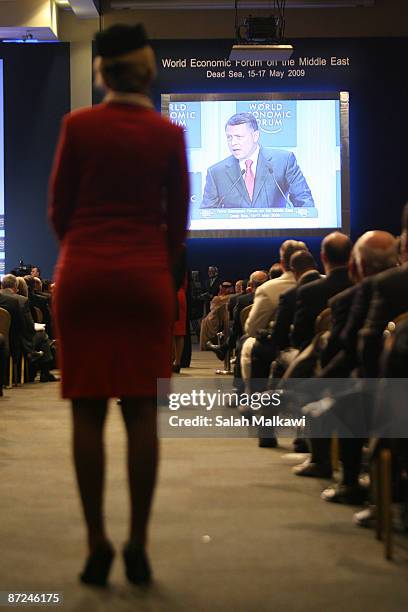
(181, 321)
(118, 203)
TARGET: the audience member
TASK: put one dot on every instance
(389, 299)
(265, 303)
(242, 301)
(41, 301)
(35, 272)
(312, 299)
(303, 267)
(275, 271)
(211, 287)
(24, 338)
(217, 319)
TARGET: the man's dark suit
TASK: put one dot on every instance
(41, 301)
(21, 324)
(212, 287)
(390, 299)
(237, 337)
(231, 305)
(242, 302)
(311, 300)
(277, 177)
(286, 310)
(349, 312)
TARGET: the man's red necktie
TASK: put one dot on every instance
(249, 177)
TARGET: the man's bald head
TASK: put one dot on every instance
(257, 278)
(374, 252)
(335, 250)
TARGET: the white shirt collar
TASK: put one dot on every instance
(254, 158)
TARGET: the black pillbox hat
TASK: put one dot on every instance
(120, 39)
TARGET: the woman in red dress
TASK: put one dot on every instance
(118, 204)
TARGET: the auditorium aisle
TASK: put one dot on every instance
(232, 528)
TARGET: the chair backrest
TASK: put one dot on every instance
(392, 325)
(245, 314)
(323, 321)
(5, 321)
(395, 350)
(38, 315)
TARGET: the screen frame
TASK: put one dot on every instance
(344, 103)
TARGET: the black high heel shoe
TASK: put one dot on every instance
(97, 566)
(137, 565)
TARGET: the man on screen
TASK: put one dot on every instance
(253, 177)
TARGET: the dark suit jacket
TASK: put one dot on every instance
(212, 285)
(43, 303)
(340, 306)
(21, 325)
(286, 310)
(349, 312)
(242, 302)
(278, 177)
(311, 300)
(389, 299)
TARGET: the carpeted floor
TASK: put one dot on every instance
(232, 528)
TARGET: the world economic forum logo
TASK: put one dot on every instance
(188, 116)
(276, 121)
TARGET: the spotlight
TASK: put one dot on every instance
(261, 38)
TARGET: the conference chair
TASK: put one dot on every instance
(382, 450)
(5, 321)
(306, 363)
(38, 315)
(245, 314)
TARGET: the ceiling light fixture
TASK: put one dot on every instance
(262, 38)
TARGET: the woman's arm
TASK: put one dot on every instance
(178, 195)
(63, 186)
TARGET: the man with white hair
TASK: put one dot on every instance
(374, 252)
(256, 279)
(266, 303)
(23, 336)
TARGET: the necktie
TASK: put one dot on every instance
(249, 178)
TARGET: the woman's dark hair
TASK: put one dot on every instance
(123, 76)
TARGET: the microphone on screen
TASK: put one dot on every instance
(289, 204)
(234, 184)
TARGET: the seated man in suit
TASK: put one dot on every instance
(240, 289)
(303, 266)
(389, 299)
(256, 279)
(311, 300)
(24, 339)
(253, 177)
(313, 297)
(217, 319)
(373, 252)
(266, 303)
(40, 300)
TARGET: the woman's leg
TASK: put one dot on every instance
(89, 458)
(140, 416)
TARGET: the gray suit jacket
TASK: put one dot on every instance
(278, 179)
